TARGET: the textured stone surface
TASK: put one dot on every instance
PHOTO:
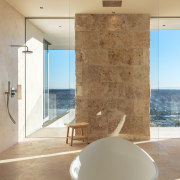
(112, 74)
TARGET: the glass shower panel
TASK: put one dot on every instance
(50, 76)
(59, 83)
(154, 72)
(45, 80)
(169, 81)
(72, 77)
(154, 79)
(62, 77)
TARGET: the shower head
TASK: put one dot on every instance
(26, 51)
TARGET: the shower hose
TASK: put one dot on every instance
(12, 119)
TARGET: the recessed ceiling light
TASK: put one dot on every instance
(41, 7)
(112, 3)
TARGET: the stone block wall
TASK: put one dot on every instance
(112, 74)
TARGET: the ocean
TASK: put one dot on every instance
(164, 105)
(60, 102)
(165, 108)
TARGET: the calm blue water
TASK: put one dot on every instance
(164, 105)
(62, 98)
(165, 108)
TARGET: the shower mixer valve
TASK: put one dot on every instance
(11, 91)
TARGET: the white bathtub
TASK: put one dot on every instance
(113, 158)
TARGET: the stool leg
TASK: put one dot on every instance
(72, 136)
(87, 135)
(82, 133)
(67, 136)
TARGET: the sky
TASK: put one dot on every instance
(164, 63)
(165, 59)
(62, 69)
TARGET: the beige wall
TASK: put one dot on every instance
(112, 74)
(12, 31)
(34, 78)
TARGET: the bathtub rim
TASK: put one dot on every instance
(155, 165)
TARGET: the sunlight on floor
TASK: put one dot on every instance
(149, 141)
(39, 156)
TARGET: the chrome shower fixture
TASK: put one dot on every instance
(10, 93)
(26, 51)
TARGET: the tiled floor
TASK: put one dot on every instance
(49, 159)
(166, 154)
(48, 132)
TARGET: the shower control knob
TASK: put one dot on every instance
(13, 92)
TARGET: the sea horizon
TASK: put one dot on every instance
(150, 89)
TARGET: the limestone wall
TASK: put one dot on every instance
(112, 74)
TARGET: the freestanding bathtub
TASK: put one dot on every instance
(113, 158)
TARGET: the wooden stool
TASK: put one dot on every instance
(84, 131)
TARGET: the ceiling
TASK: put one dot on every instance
(66, 8)
(59, 32)
(64, 37)
(165, 24)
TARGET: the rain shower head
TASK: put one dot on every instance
(26, 51)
